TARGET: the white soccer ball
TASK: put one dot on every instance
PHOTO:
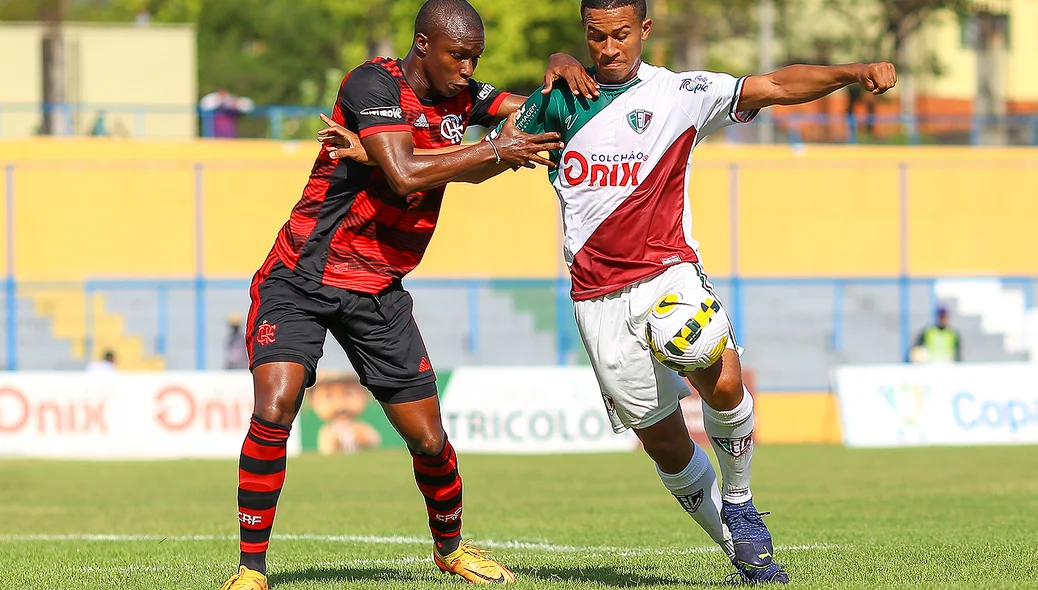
(687, 332)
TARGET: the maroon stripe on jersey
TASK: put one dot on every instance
(387, 128)
(260, 276)
(494, 106)
(644, 235)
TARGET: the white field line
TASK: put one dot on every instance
(533, 546)
(346, 563)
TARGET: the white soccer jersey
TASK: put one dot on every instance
(623, 176)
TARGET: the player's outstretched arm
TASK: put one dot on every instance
(341, 143)
(799, 83)
(407, 172)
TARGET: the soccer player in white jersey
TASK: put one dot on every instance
(644, 306)
(641, 297)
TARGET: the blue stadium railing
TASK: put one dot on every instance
(565, 336)
(967, 129)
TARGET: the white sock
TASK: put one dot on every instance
(696, 490)
(731, 435)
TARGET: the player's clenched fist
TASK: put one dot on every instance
(522, 149)
(877, 78)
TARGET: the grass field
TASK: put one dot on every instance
(935, 518)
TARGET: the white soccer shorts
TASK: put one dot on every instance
(637, 390)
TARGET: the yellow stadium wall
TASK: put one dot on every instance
(99, 208)
(807, 417)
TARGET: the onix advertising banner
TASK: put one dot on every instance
(126, 415)
(938, 404)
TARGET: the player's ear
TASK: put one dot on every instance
(421, 45)
(646, 27)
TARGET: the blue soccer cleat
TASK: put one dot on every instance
(753, 549)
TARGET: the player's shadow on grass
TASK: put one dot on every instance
(347, 574)
(609, 576)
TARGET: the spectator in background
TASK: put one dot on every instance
(220, 112)
(937, 343)
(99, 128)
(237, 353)
(106, 364)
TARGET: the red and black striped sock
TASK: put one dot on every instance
(261, 473)
(438, 479)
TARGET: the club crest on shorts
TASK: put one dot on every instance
(265, 334)
(639, 120)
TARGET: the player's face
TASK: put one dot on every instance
(614, 38)
(451, 58)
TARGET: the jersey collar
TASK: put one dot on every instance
(614, 87)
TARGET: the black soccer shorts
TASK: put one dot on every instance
(290, 316)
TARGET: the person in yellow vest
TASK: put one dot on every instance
(938, 343)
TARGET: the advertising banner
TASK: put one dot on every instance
(938, 404)
(528, 410)
(125, 415)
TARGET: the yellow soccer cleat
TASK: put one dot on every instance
(472, 563)
(246, 579)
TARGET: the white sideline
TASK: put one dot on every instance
(130, 569)
(400, 540)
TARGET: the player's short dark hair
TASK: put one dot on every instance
(447, 15)
(639, 6)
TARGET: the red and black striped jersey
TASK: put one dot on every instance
(350, 230)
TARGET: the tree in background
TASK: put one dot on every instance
(271, 49)
(294, 51)
(697, 34)
(834, 31)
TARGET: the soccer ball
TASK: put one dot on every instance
(686, 333)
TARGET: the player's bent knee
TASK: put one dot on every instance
(279, 409)
(727, 393)
(279, 392)
(430, 444)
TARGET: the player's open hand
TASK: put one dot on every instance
(877, 78)
(562, 66)
(522, 149)
(341, 143)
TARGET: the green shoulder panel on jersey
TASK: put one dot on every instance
(563, 112)
(575, 111)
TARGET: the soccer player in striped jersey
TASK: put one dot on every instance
(337, 263)
(623, 179)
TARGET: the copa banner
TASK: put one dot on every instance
(962, 404)
(126, 415)
(528, 410)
